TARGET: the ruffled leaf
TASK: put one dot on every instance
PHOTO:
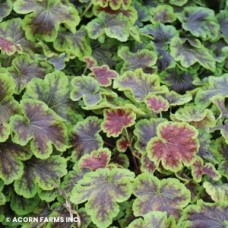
(24, 69)
(54, 91)
(6, 8)
(176, 143)
(201, 22)
(43, 18)
(41, 126)
(114, 26)
(139, 84)
(199, 169)
(85, 136)
(168, 195)
(152, 219)
(157, 104)
(11, 165)
(103, 189)
(144, 131)
(144, 59)
(114, 4)
(223, 21)
(189, 52)
(8, 106)
(104, 75)
(216, 86)
(44, 174)
(87, 88)
(205, 215)
(116, 120)
(96, 160)
(163, 14)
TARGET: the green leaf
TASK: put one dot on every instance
(44, 174)
(114, 4)
(41, 126)
(144, 59)
(153, 219)
(218, 192)
(201, 22)
(223, 21)
(176, 143)
(54, 91)
(43, 18)
(168, 195)
(139, 84)
(8, 106)
(103, 189)
(87, 88)
(114, 26)
(163, 14)
(11, 165)
(189, 52)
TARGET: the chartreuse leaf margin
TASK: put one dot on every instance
(114, 112)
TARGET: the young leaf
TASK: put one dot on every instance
(205, 215)
(54, 91)
(116, 120)
(11, 165)
(139, 84)
(144, 59)
(201, 22)
(163, 14)
(176, 143)
(43, 18)
(24, 69)
(168, 195)
(144, 131)
(8, 105)
(114, 26)
(122, 144)
(96, 160)
(85, 136)
(103, 189)
(87, 88)
(157, 104)
(45, 174)
(41, 126)
(153, 219)
(104, 75)
(189, 52)
(199, 169)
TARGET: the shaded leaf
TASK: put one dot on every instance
(223, 21)
(6, 7)
(44, 174)
(152, 194)
(117, 120)
(176, 143)
(85, 136)
(204, 215)
(43, 18)
(103, 189)
(41, 126)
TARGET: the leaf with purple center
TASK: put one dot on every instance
(102, 190)
(156, 103)
(115, 120)
(175, 145)
(40, 126)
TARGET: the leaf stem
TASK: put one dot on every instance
(86, 9)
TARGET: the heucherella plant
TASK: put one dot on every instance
(114, 113)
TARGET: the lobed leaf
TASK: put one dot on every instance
(157, 104)
(176, 143)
